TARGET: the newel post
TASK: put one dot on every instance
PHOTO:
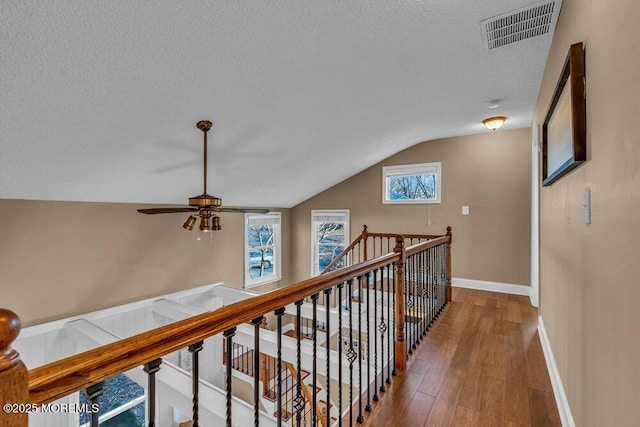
(448, 285)
(400, 345)
(364, 237)
(14, 386)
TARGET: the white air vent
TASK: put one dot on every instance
(511, 27)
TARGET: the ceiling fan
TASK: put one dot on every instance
(204, 206)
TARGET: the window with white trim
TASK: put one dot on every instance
(405, 184)
(262, 249)
(329, 237)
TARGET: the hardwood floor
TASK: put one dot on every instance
(480, 365)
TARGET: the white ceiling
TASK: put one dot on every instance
(99, 99)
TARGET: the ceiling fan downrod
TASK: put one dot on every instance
(205, 126)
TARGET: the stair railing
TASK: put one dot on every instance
(425, 267)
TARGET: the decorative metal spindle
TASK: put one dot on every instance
(423, 290)
(437, 279)
(389, 330)
(443, 249)
(382, 328)
(279, 312)
(351, 353)
(416, 297)
(420, 296)
(327, 344)
(93, 394)
(394, 372)
(151, 368)
(194, 349)
(314, 373)
(375, 335)
(434, 287)
(340, 286)
(408, 304)
(360, 418)
(368, 284)
(256, 369)
(228, 335)
(298, 402)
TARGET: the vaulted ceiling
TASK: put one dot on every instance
(99, 99)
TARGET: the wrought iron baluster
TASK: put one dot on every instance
(228, 335)
(256, 369)
(436, 256)
(421, 290)
(279, 312)
(368, 284)
(351, 353)
(375, 335)
(327, 344)
(360, 418)
(443, 266)
(151, 368)
(93, 394)
(298, 402)
(389, 330)
(417, 297)
(194, 349)
(314, 374)
(408, 305)
(394, 372)
(340, 286)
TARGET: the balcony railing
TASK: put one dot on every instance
(371, 315)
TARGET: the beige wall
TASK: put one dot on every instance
(590, 295)
(59, 259)
(490, 172)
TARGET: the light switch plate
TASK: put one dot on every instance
(465, 210)
(587, 206)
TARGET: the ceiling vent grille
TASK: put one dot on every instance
(512, 27)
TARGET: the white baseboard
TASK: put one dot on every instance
(504, 288)
(556, 382)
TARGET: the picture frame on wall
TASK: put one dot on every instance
(564, 136)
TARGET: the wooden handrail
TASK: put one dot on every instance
(352, 245)
(425, 245)
(60, 378)
(363, 237)
(406, 236)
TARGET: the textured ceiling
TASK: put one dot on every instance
(99, 99)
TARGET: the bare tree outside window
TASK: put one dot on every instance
(261, 242)
(414, 187)
(417, 183)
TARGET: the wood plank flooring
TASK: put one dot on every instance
(480, 365)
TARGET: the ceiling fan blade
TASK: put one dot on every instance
(166, 210)
(235, 210)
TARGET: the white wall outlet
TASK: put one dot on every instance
(465, 210)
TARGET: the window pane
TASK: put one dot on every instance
(118, 391)
(412, 187)
(261, 263)
(327, 253)
(260, 235)
(331, 232)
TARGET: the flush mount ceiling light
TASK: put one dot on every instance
(494, 123)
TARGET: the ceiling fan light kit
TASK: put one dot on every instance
(205, 206)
